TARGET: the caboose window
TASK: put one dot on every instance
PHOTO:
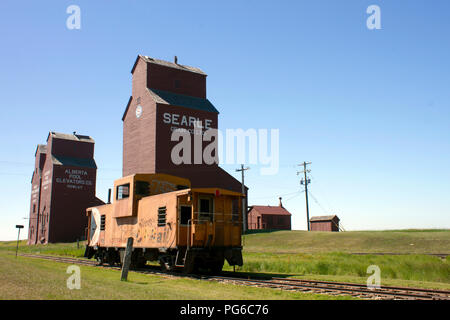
(235, 210)
(204, 205)
(206, 208)
(162, 217)
(102, 222)
(185, 214)
(142, 188)
(93, 226)
(123, 191)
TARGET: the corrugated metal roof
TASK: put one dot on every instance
(66, 136)
(171, 64)
(271, 210)
(323, 218)
(74, 162)
(181, 100)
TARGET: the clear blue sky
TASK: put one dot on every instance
(369, 108)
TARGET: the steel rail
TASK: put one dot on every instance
(292, 284)
(364, 285)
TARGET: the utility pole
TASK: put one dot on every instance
(305, 182)
(244, 207)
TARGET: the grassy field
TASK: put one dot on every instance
(28, 278)
(327, 256)
(397, 241)
(414, 270)
(61, 249)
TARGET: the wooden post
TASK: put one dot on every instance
(244, 207)
(127, 259)
(18, 236)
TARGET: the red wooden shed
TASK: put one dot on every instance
(324, 223)
(269, 218)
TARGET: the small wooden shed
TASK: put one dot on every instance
(269, 218)
(324, 223)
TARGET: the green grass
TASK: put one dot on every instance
(398, 241)
(415, 230)
(326, 256)
(412, 270)
(62, 249)
(29, 278)
(410, 241)
(403, 267)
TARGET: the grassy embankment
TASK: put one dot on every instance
(59, 249)
(327, 256)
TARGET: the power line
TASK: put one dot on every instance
(281, 195)
(294, 196)
(15, 174)
(29, 164)
(327, 200)
(317, 201)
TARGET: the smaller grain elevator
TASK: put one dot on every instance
(62, 187)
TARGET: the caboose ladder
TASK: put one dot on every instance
(181, 257)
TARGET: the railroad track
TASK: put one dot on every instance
(302, 285)
(342, 288)
(439, 255)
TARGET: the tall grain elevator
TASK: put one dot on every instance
(62, 187)
(165, 97)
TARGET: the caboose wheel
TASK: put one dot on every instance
(189, 267)
(100, 257)
(166, 263)
(190, 264)
(99, 261)
(217, 265)
(138, 261)
(111, 257)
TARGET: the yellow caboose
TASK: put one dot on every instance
(170, 222)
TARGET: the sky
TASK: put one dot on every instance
(369, 108)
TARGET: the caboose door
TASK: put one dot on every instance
(184, 218)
